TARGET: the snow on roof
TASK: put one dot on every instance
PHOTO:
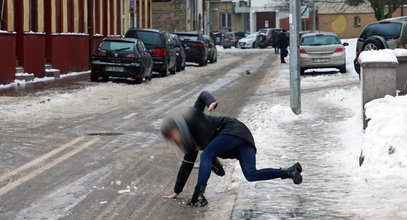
(340, 7)
(378, 56)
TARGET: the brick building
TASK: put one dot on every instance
(34, 33)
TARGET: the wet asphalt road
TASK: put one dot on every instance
(103, 158)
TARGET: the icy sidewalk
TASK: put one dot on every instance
(318, 138)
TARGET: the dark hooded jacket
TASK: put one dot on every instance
(203, 130)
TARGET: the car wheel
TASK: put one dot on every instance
(105, 78)
(254, 45)
(202, 63)
(138, 80)
(183, 66)
(94, 77)
(215, 59)
(179, 68)
(342, 68)
(302, 71)
(164, 72)
(224, 47)
(173, 70)
(372, 44)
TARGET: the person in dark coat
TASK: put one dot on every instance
(274, 38)
(192, 130)
(283, 44)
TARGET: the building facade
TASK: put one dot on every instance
(173, 15)
(224, 16)
(56, 32)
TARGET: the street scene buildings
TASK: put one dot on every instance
(91, 93)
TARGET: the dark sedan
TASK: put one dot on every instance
(211, 47)
(160, 46)
(180, 51)
(121, 57)
(194, 46)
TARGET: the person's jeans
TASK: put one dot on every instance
(245, 154)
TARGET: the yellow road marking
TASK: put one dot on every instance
(46, 167)
(130, 115)
(40, 159)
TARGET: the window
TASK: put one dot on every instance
(1, 13)
(226, 20)
(116, 45)
(33, 16)
(356, 21)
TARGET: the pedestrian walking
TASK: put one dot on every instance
(283, 44)
(192, 130)
(274, 38)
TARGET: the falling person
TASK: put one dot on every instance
(192, 130)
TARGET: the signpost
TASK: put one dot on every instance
(295, 26)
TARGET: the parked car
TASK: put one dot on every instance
(211, 47)
(121, 57)
(322, 50)
(217, 37)
(160, 46)
(249, 41)
(180, 51)
(231, 38)
(194, 46)
(388, 33)
(268, 33)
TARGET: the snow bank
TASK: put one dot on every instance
(22, 83)
(385, 139)
(380, 56)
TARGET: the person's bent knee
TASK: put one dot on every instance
(250, 177)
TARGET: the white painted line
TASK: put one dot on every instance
(40, 159)
(178, 91)
(157, 101)
(130, 115)
(46, 167)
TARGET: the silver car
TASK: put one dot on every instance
(322, 50)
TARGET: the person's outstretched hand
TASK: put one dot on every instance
(172, 196)
(212, 106)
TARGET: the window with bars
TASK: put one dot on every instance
(226, 20)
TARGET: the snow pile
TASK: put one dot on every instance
(22, 83)
(385, 138)
(378, 56)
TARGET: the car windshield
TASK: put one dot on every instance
(116, 45)
(263, 31)
(148, 37)
(252, 35)
(227, 35)
(320, 40)
(187, 37)
(385, 30)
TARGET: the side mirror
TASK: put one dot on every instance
(345, 44)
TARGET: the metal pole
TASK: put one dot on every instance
(295, 90)
(90, 29)
(314, 16)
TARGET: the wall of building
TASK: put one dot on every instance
(43, 32)
(170, 16)
(343, 24)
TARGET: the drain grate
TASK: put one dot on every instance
(105, 134)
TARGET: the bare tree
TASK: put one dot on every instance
(382, 8)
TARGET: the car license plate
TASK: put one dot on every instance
(114, 69)
(322, 60)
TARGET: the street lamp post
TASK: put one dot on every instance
(295, 90)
